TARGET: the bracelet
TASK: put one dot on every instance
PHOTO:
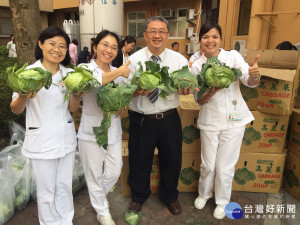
(256, 78)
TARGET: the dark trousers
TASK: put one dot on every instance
(144, 135)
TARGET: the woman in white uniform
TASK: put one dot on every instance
(221, 137)
(102, 167)
(50, 139)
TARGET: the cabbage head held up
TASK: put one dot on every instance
(153, 77)
(214, 73)
(80, 80)
(27, 80)
(111, 98)
(183, 78)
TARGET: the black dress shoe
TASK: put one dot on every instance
(174, 207)
(135, 207)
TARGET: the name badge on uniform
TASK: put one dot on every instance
(62, 87)
(235, 116)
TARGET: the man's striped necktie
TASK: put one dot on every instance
(154, 95)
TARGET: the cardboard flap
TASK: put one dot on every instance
(280, 74)
(277, 59)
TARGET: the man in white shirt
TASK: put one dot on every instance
(155, 124)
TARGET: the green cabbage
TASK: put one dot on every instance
(190, 133)
(6, 212)
(27, 80)
(241, 176)
(183, 78)
(291, 178)
(110, 99)
(189, 175)
(80, 80)
(251, 135)
(132, 218)
(214, 73)
(154, 77)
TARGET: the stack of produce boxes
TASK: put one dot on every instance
(262, 160)
(190, 171)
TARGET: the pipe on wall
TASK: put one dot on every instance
(256, 25)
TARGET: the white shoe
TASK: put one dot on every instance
(200, 202)
(219, 212)
(105, 220)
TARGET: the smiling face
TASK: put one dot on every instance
(54, 49)
(129, 46)
(106, 49)
(210, 43)
(156, 36)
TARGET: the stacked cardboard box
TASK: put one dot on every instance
(262, 160)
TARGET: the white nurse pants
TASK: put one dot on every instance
(102, 169)
(53, 178)
(220, 152)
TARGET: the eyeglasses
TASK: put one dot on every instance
(53, 45)
(106, 46)
(160, 32)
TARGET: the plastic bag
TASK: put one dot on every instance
(7, 193)
(17, 132)
(78, 175)
(20, 174)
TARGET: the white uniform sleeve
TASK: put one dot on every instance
(15, 96)
(196, 67)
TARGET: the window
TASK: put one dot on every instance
(244, 17)
(210, 11)
(177, 21)
(6, 27)
(135, 23)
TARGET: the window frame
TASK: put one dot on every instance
(136, 21)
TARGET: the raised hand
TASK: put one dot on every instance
(124, 70)
(253, 70)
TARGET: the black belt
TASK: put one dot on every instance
(160, 115)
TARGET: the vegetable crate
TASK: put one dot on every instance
(259, 172)
(294, 138)
(292, 176)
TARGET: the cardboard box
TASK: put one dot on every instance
(259, 172)
(189, 111)
(292, 176)
(76, 117)
(266, 134)
(190, 172)
(278, 87)
(294, 135)
(154, 176)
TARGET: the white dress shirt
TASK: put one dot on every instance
(174, 61)
(92, 115)
(50, 130)
(214, 115)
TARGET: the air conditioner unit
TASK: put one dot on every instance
(194, 44)
(188, 48)
(190, 14)
(240, 46)
(168, 13)
(189, 32)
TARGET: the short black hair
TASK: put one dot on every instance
(207, 27)
(156, 18)
(50, 32)
(174, 43)
(129, 39)
(75, 42)
(105, 33)
(286, 45)
(85, 48)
